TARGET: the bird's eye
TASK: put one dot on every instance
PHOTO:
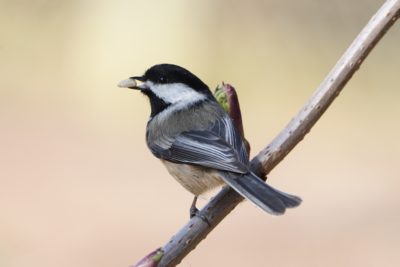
(162, 79)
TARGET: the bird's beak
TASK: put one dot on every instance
(131, 83)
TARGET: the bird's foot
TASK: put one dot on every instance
(194, 211)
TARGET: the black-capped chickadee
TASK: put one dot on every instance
(196, 139)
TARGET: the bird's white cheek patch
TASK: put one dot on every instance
(175, 93)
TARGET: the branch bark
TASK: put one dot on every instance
(227, 199)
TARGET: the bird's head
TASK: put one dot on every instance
(168, 85)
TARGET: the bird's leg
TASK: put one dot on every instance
(195, 212)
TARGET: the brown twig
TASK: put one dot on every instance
(227, 199)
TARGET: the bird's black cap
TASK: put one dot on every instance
(170, 73)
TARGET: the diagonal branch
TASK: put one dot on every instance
(227, 199)
(330, 87)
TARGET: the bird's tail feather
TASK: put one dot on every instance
(256, 190)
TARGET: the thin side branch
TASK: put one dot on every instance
(227, 199)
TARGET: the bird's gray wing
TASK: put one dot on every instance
(219, 147)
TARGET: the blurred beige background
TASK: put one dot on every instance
(78, 186)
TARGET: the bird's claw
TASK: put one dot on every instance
(194, 211)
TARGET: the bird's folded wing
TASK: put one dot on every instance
(204, 148)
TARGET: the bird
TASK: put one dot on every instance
(197, 141)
